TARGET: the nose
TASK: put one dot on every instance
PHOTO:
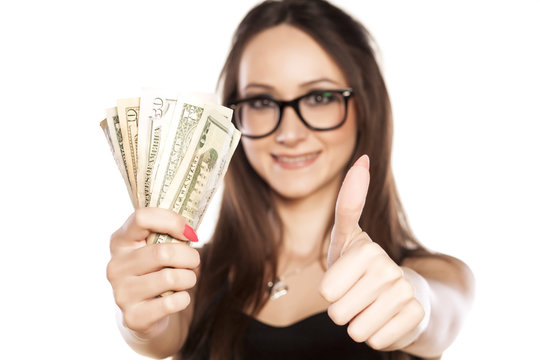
(291, 130)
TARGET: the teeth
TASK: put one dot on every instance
(296, 158)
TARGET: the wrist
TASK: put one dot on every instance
(133, 336)
(136, 337)
(423, 295)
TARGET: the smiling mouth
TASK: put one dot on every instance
(289, 161)
(296, 158)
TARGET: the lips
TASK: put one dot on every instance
(295, 161)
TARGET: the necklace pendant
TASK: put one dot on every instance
(277, 289)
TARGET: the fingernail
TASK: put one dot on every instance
(367, 161)
(190, 233)
(363, 161)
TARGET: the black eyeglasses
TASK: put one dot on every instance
(319, 110)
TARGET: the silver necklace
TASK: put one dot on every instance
(278, 287)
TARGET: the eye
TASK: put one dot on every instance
(321, 98)
(260, 103)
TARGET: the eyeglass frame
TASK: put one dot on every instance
(347, 93)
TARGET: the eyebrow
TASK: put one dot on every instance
(258, 85)
(302, 85)
(312, 82)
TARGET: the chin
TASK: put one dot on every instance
(292, 195)
(296, 191)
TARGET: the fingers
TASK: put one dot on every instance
(386, 306)
(138, 272)
(349, 206)
(374, 295)
(401, 327)
(141, 316)
(354, 301)
(352, 196)
(167, 279)
(152, 270)
(136, 289)
(363, 293)
(151, 258)
(350, 295)
(142, 223)
(380, 306)
(362, 256)
(139, 276)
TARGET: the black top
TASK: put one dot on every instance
(316, 337)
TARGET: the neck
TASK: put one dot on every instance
(305, 222)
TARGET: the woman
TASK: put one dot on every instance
(305, 262)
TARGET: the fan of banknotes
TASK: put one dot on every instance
(172, 150)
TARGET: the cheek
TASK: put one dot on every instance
(351, 125)
(342, 148)
(345, 138)
(254, 153)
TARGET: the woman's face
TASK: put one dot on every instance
(296, 162)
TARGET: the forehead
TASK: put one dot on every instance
(285, 58)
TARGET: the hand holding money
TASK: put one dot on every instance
(172, 151)
(139, 274)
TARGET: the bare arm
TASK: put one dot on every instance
(449, 285)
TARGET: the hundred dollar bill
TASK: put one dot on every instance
(128, 114)
(202, 169)
(157, 108)
(111, 127)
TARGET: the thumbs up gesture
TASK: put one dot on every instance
(384, 305)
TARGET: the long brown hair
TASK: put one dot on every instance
(242, 255)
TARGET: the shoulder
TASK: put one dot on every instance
(444, 268)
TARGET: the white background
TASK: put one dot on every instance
(465, 84)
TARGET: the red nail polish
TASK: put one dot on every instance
(190, 233)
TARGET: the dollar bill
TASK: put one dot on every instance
(209, 193)
(114, 138)
(202, 168)
(156, 111)
(184, 122)
(185, 118)
(128, 115)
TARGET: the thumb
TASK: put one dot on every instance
(349, 205)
